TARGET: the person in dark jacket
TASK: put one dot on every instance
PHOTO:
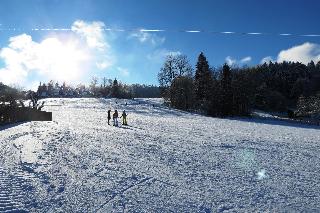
(124, 118)
(109, 116)
(115, 118)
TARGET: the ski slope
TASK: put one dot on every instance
(165, 161)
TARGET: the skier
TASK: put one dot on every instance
(124, 118)
(109, 116)
(115, 118)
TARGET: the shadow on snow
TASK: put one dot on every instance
(8, 126)
(276, 122)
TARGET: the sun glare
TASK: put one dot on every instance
(62, 59)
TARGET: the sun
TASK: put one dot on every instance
(62, 59)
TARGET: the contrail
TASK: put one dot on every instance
(145, 30)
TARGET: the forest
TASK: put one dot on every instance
(289, 87)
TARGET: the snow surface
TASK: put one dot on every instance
(165, 161)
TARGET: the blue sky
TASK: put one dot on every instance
(136, 57)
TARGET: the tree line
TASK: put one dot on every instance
(10, 95)
(107, 88)
(104, 88)
(290, 87)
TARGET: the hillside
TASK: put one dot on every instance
(164, 161)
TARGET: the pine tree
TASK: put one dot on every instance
(203, 80)
(115, 89)
(318, 66)
(240, 85)
(311, 67)
(302, 106)
(215, 103)
(227, 96)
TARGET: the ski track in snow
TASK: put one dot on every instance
(165, 161)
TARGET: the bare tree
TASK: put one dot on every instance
(173, 67)
(183, 66)
(104, 82)
(93, 85)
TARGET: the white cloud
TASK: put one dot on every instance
(51, 57)
(145, 37)
(92, 32)
(246, 60)
(159, 55)
(63, 59)
(302, 53)
(267, 60)
(102, 65)
(230, 61)
(124, 72)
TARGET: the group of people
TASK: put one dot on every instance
(115, 116)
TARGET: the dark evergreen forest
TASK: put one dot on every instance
(290, 87)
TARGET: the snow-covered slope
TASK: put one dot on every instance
(164, 161)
